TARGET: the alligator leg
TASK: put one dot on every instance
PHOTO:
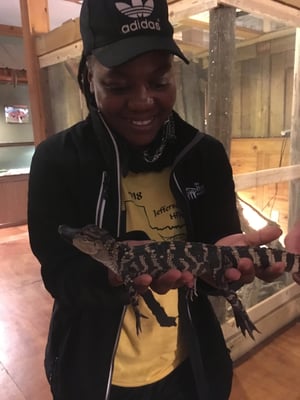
(241, 316)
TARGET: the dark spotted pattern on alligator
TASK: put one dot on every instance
(205, 261)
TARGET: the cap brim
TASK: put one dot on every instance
(125, 50)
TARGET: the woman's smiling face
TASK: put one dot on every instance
(135, 98)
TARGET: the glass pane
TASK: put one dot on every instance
(15, 159)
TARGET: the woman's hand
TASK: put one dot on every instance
(246, 270)
(292, 244)
(172, 279)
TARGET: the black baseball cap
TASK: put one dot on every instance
(116, 31)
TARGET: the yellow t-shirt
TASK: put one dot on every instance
(150, 356)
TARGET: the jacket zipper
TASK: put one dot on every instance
(99, 217)
(108, 387)
(102, 199)
(118, 169)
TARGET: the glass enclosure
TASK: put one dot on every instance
(261, 120)
(15, 159)
(261, 114)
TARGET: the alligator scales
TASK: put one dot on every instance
(204, 261)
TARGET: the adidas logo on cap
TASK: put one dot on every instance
(138, 10)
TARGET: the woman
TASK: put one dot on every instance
(132, 165)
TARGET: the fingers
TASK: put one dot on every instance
(292, 240)
(245, 271)
(172, 279)
(166, 281)
(142, 283)
(263, 236)
(271, 273)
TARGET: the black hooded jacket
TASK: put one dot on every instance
(75, 180)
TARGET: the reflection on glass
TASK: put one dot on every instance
(15, 159)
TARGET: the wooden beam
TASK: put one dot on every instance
(8, 30)
(190, 23)
(185, 8)
(250, 180)
(35, 19)
(240, 32)
(61, 55)
(220, 73)
(67, 34)
(260, 39)
(246, 33)
(267, 9)
(189, 48)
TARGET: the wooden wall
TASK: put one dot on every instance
(13, 200)
(191, 99)
(263, 88)
(251, 154)
(66, 102)
(263, 85)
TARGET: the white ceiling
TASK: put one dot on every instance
(11, 48)
(59, 12)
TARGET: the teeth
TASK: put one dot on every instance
(142, 123)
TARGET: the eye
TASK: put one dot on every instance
(116, 87)
(117, 90)
(161, 82)
(159, 85)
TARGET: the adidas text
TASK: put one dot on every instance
(141, 25)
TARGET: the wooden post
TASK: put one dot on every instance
(294, 202)
(35, 20)
(220, 73)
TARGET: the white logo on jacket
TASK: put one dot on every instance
(193, 193)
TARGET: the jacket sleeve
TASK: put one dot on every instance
(221, 218)
(71, 277)
(214, 212)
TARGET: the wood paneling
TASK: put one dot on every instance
(248, 155)
(252, 154)
(263, 88)
(7, 30)
(13, 200)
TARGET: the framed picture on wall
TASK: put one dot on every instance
(17, 114)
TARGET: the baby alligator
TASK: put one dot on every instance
(204, 261)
